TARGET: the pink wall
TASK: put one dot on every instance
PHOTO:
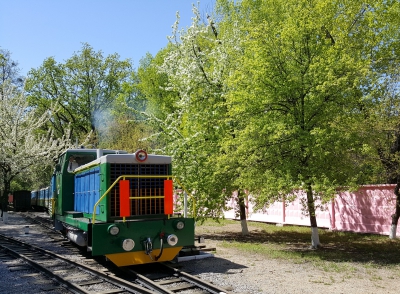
(367, 210)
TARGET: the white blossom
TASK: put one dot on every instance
(23, 141)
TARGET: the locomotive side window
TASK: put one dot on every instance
(59, 163)
(76, 160)
(73, 163)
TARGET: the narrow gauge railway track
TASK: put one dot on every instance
(168, 280)
(158, 277)
(42, 221)
(57, 237)
(74, 277)
(45, 223)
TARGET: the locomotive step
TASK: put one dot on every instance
(74, 214)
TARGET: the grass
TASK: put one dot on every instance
(340, 251)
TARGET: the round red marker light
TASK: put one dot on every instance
(141, 155)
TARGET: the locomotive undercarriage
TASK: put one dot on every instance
(134, 242)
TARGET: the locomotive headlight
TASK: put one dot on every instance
(113, 230)
(128, 244)
(141, 155)
(172, 240)
(179, 225)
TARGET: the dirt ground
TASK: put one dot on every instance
(280, 275)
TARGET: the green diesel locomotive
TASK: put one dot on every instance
(119, 205)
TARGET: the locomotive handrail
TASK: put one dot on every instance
(138, 177)
(53, 206)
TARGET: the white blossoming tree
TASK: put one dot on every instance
(23, 146)
(192, 116)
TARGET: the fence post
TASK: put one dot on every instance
(333, 218)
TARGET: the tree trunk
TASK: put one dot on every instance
(4, 197)
(313, 220)
(391, 167)
(396, 215)
(242, 211)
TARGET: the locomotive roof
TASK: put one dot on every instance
(126, 158)
(84, 150)
(131, 158)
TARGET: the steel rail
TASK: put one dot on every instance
(176, 276)
(75, 287)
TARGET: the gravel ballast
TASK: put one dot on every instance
(25, 281)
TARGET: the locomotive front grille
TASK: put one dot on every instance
(139, 187)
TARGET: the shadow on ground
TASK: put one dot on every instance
(335, 246)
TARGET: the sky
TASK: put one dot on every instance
(33, 30)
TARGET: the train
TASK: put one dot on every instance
(21, 200)
(37, 200)
(117, 204)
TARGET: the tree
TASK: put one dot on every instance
(9, 71)
(124, 132)
(383, 125)
(389, 153)
(299, 87)
(187, 107)
(192, 115)
(383, 120)
(22, 147)
(84, 87)
(153, 84)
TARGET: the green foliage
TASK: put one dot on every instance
(84, 87)
(272, 97)
(299, 87)
(383, 126)
(124, 133)
(152, 85)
